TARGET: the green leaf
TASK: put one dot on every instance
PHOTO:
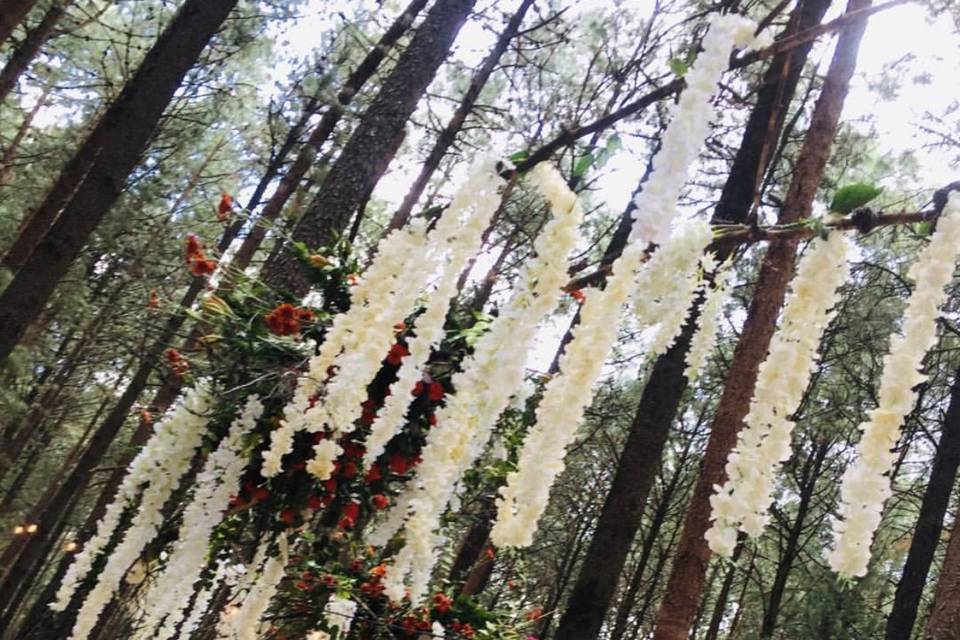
(678, 66)
(519, 156)
(583, 164)
(853, 196)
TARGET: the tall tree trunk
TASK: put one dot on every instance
(20, 59)
(324, 129)
(12, 13)
(809, 474)
(99, 170)
(933, 508)
(375, 141)
(449, 134)
(944, 620)
(623, 509)
(685, 585)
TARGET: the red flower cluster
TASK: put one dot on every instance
(351, 511)
(442, 602)
(463, 628)
(373, 588)
(286, 319)
(197, 260)
(412, 625)
(397, 353)
(225, 207)
(179, 365)
(434, 390)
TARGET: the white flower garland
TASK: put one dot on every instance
(476, 200)
(483, 388)
(339, 613)
(370, 299)
(215, 484)
(705, 337)
(202, 603)
(692, 116)
(566, 396)
(243, 622)
(865, 487)
(664, 302)
(764, 443)
(183, 418)
(167, 457)
(464, 238)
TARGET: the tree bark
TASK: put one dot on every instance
(12, 13)
(926, 536)
(375, 141)
(93, 180)
(27, 50)
(685, 585)
(944, 620)
(623, 510)
(449, 134)
(322, 132)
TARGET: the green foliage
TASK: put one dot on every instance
(853, 196)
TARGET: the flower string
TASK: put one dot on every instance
(865, 486)
(764, 443)
(483, 388)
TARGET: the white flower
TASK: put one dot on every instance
(243, 622)
(764, 442)
(215, 484)
(159, 466)
(705, 337)
(664, 288)
(339, 613)
(865, 487)
(483, 388)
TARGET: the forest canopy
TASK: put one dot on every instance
(475, 319)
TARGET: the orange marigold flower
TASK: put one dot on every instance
(225, 206)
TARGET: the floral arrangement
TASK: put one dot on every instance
(865, 486)
(764, 443)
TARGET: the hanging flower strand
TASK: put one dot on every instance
(865, 486)
(170, 452)
(464, 423)
(185, 419)
(215, 484)
(368, 300)
(566, 396)
(456, 238)
(764, 443)
(705, 337)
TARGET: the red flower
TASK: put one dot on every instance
(330, 485)
(349, 470)
(442, 602)
(260, 494)
(302, 585)
(436, 392)
(146, 417)
(418, 388)
(432, 419)
(578, 295)
(397, 353)
(374, 474)
(283, 320)
(289, 515)
(398, 464)
(172, 355)
(380, 501)
(153, 302)
(350, 513)
(225, 206)
(315, 502)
